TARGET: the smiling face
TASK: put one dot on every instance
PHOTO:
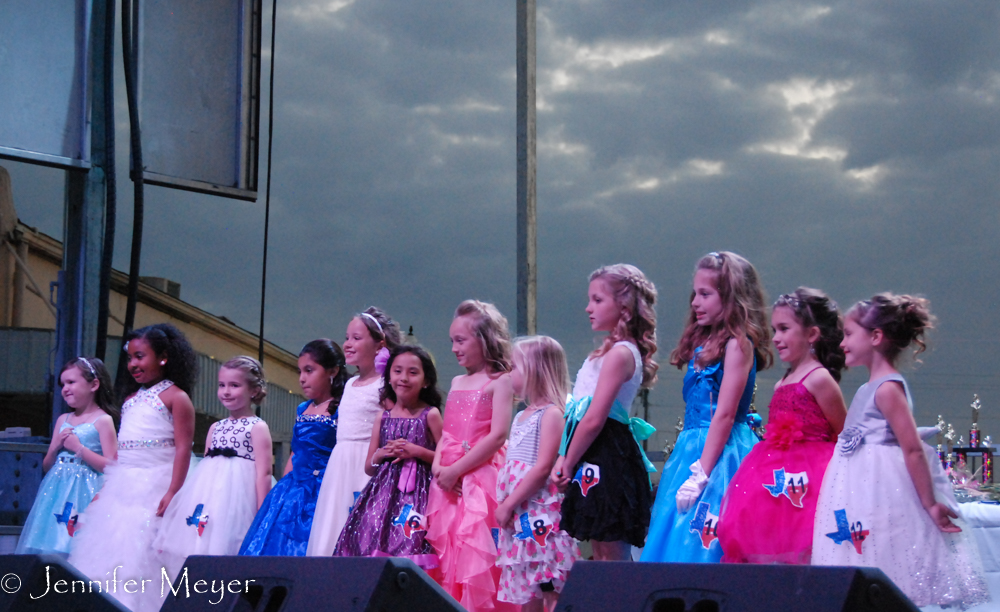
(313, 378)
(234, 390)
(706, 303)
(143, 363)
(406, 377)
(465, 344)
(792, 340)
(76, 391)
(359, 346)
(857, 344)
(601, 307)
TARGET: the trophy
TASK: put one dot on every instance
(949, 436)
(940, 439)
(669, 447)
(974, 432)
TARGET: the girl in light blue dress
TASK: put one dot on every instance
(725, 342)
(83, 443)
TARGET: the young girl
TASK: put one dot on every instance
(885, 501)
(388, 518)
(724, 343)
(603, 468)
(154, 452)
(83, 443)
(282, 524)
(370, 336)
(535, 554)
(768, 511)
(214, 509)
(462, 501)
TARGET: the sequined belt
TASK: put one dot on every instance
(134, 444)
(64, 459)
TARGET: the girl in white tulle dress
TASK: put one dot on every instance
(370, 336)
(214, 509)
(885, 501)
(113, 541)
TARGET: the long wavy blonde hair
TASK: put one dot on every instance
(546, 374)
(492, 330)
(636, 295)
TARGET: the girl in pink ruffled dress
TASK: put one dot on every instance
(460, 509)
(768, 511)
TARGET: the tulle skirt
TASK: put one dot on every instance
(63, 496)
(692, 536)
(343, 482)
(869, 515)
(463, 528)
(610, 495)
(211, 513)
(117, 530)
(768, 511)
(534, 550)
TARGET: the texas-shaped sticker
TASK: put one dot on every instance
(587, 476)
(537, 529)
(705, 524)
(855, 533)
(197, 519)
(410, 520)
(793, 485)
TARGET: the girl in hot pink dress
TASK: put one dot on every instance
(461, 507)
(768, 511)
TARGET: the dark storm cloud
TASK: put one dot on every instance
(851, 146)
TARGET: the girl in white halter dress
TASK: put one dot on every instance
(116, 532)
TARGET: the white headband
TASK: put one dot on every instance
(89, 367)
(375, 321)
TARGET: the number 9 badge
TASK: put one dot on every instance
(587, 476)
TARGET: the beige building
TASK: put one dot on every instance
(31, 260)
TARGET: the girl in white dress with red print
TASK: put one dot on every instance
(113, 543)
(370, 336)
(885, 501)
(217, 504)
(535, 554)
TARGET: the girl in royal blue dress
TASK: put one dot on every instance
(725, 342)
(83, 443)
(284, 520)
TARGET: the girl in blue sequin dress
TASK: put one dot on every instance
(725, 342)
(283, 523)
(115, 534)
(84, 443)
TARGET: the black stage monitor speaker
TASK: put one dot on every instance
(717, 587)
(305, 584)
(39, 583)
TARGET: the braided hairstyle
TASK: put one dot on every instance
(254, 372)
(329, 355)
(633, 292)
(92, 368)
(903, 319)
(492, 330)
(813, 308)
(168, 342)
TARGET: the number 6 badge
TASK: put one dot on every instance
(587, 476)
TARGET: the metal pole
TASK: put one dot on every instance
(527, 269)
(83, 234)
(267, 196)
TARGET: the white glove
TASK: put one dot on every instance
(691, 490)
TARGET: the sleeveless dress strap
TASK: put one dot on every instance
(488, 381)
(803, 379)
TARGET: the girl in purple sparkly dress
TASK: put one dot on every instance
(388, 517)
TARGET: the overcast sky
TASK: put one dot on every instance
(850, 146)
